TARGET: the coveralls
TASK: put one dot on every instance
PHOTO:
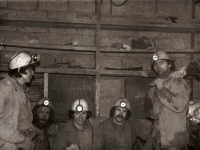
(168, 108)
(111, 136)
(70, 134)
(15, 115)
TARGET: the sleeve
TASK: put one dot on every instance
(134, 135)
(6, 132)
(52, 130)
(140, 130)
(178, 99)
(2, 101)
(148, 106)
(60, 140)
(98, 140)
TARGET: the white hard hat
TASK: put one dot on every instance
(23, 59)
(160, 55)
(80, 105)
(122, 102)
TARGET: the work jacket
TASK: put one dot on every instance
(14, 102)
(168, 108)
(46, 137)
(68, 135)
(111, 136)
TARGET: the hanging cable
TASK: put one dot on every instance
(112, 3)
(125, 1)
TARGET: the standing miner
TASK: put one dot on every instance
(16, 129)
(167, 105)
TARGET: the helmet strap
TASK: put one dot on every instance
(166, 74)
(18, 69)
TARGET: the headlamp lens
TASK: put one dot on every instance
(34, 57)
(79, 108)
(46, 102)
(155, 57)
(123, 104)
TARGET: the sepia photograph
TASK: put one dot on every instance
(99, 74)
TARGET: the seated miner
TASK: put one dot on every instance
(77, 133)
(117, 131)
(45, 128)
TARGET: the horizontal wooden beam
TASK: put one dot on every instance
(151, 27)
(118, 23)
(46, 24)
(115, 50)
(66, 71)
(44, 48)
(151, 23)
(127, 73)
(88, 72)
(58, 71)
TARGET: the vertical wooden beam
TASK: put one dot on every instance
(156, 7)
(192, 80)
(97, 56)
(193, 9)
(192, 45)
(95, 3)
(46, 80)
(192, 41)
(192, 58)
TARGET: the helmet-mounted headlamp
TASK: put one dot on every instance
(79, 107)
(160, 55)
(155, 57)
(46, 102)
(123, 104)
(35, 58)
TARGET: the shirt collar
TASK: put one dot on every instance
(15, 83)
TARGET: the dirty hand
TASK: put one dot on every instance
(29, 133)
(159, 83)
(72, 147)
(180, 73)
